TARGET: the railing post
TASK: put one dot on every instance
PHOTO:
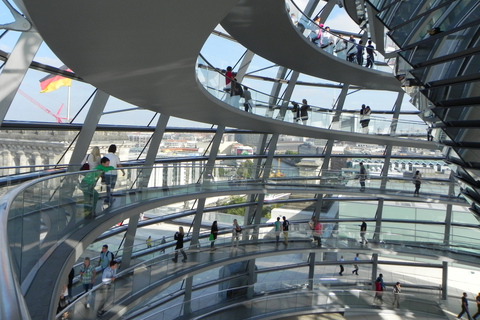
(448, 213)
(374, 269)
(444, 280)
(311, 270)
(251, 279)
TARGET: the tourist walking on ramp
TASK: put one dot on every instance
(278, 229)
(365, 113)
(105, 257)
(108, 277)
(342, 269)
(247, 96)
(317, 233)
(304, 111)
(355, 266)
(417, 181)
(396, 295)
(363, 230)
(477, 300)
(179, 237)
(236, 233)
(111, 176)
(362, 175)
(285, 226)
(87, 274)
(378, 292)
(213, 235)
(464, 307)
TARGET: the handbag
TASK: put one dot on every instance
(211, 237)
(85, 166)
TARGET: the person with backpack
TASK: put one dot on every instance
(285, 226)
(105, 257)
(278, 229)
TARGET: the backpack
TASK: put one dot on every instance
(111, 255)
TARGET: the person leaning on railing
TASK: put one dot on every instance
(90, 195)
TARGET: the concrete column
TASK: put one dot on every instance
(22, 161)
(311, 270)
(251, 278)
(374, 269)
(129, 241)
(16, 67)
(197, 223)
(444, 280)
(89, 126)
(378, 221)
(187, 297)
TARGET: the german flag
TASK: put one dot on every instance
(53, 82)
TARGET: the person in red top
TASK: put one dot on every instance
(228, 79)
(378, 291)
(317, 233)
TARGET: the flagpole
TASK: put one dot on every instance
(68, 103)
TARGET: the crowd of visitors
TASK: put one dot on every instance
(336, 44)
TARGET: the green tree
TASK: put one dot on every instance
(245, 171)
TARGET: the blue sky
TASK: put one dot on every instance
(22, 109)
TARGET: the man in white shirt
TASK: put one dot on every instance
(111, 176)
(108, 277)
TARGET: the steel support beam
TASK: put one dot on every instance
(88, 130)
(242, 70)
(15, 69)
(378, 221)
(143, 183)
(217, 139)
(448, 213)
